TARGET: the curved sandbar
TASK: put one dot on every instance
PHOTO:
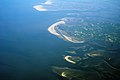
(63, 74)
(48, 2)
(40, 8)
(67, 59)
(71, 39)
(52, 30)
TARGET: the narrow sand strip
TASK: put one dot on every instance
(63, 74)
(67, 59)
(52, 30)
(40, 8)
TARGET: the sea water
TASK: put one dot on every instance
(28, 51)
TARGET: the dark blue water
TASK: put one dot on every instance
(27, 49)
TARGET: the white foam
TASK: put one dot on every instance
(40, 8)
(67, 59)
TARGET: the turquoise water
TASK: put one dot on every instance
(28, 51)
